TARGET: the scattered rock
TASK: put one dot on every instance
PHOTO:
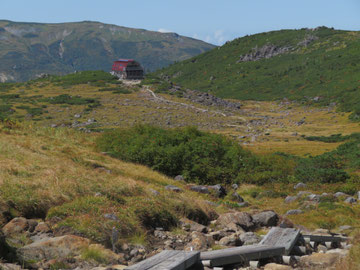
(275, 266)
(350, 200)
(220, 191)
(266, 219)
(249, 238)
(15, 226)
(111, 216)
(42, 227)
(154, 192)
(358, 195)
(53, 248)
(236, 186)
(294, 212)
(319, 260)
(192, 225)
(199, 242)
(173, 188)
(300, 185)
(9, 266)
(236, 197)
(240, 219)
(314, 197)
(243, 204)
(179, 178)
(290, 199)
(232, 240)
(345, 227)
(200, 189)
(340, 194)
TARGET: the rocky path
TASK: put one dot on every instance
(161, 99)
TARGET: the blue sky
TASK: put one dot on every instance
(214, 21)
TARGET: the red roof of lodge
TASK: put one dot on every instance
(121, 64)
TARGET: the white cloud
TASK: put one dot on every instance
(218, 37)
(163, 30)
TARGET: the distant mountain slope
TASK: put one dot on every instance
(317, 65)
(28, 49)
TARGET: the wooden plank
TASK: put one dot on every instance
(281, 237)
(242, 254)
(180, 261)
(154, 260)
(323, 238)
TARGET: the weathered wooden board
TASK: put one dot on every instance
(154, 260)
(323, 238)
(241, 254)
(181, 261)
(281, 237)
(168, 260)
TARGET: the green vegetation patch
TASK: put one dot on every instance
(334, 138)
(201, 157)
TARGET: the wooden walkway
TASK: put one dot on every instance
(277, 243)
(168, 260)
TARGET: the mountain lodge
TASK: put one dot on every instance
(128, 69)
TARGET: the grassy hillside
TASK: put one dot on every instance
(304, 64)
(29, 49)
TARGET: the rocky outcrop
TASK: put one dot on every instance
(266, 51)
(53, 248)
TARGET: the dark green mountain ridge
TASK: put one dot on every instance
(313, 65)
(29, 49)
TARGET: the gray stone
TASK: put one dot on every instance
(249, 238)
(77, 115)
(232, 240)
(173, 188)
(200, 189)
(290, 199)
(111, 216)
(302, 193)
(350, 200)
(314, 197)
(179, 178)
(358, 195)
(345, 227)
(240, 219)
(243, 204)
(266, 218)
(300, 185)
(154, 192)
(220, 191)
(236, 186)
(340, 194)
(236, 197)
(294, 212)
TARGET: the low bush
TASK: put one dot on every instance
(201, 157)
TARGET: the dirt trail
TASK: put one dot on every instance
(147, 89)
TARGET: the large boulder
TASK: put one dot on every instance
(290, 199)
(266, 219)
(16, 226)
(53, 248)
(319, 260)
(242, 220)
(300, 185)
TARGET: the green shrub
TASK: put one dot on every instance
(201, 157)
